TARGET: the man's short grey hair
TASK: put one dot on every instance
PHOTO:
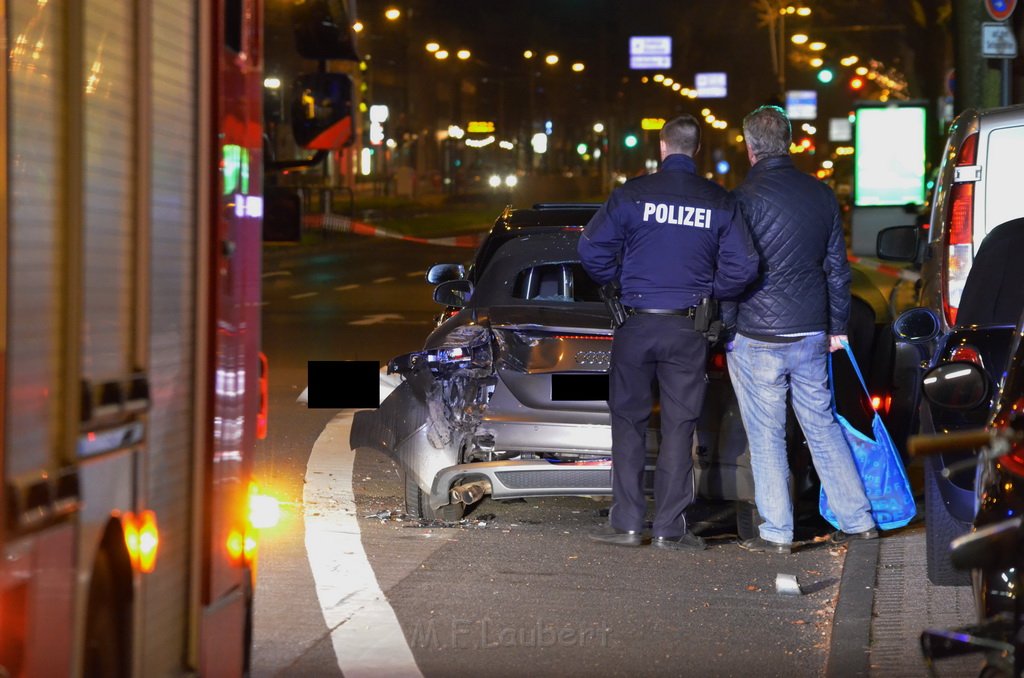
(767, 131)
(681, 135)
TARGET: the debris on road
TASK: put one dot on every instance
(787, 585)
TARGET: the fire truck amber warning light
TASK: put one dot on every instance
(264, 510)
(142, 538)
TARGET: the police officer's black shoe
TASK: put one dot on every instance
(759, 545)
(687, 542)
(610, 535)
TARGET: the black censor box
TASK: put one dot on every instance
(343, 384)
(579, 387)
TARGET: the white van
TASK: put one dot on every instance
(979, 187)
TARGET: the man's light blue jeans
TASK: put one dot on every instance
(761, 374)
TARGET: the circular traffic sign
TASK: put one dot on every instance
(1000, 10)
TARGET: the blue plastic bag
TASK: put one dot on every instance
(879, 465)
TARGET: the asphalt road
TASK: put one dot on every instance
(346, 587)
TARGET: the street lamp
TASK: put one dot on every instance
(773, 14)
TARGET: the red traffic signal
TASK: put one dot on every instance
(857, 83)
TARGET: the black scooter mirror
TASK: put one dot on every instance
(956, 386)
(916, 326)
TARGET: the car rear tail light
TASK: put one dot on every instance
(597, 337)
(716, 361)
(960, 218)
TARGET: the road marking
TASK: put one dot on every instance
(377, 319)
(414, 274)
(273, 274)
(345, 288)
(304, 295)
(365, 634)
(389, 278)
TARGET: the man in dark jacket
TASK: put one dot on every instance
(785, 325)
(671, 239)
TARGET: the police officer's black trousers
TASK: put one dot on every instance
(666, 348)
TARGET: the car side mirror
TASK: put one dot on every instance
(916, 326)
(439, 273)
(453, 293)
(956, 386)
(898, 243)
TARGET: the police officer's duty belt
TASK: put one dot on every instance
(685, 312)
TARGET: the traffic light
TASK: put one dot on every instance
(825, 75)
(630, 141)
(857, 83)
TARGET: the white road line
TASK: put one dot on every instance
(389, 278)
(345, 288)
(272, 274)
(365, 634)
(304, 295)
(414, 274)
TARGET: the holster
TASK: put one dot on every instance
(707, 320)
(611, 294)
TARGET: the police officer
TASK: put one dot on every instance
(670, 239)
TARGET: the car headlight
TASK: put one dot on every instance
(511, 180)
(466, 347)
(494, 181)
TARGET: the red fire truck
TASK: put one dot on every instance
(130, 366)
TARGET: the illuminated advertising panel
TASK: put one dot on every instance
(889, 156)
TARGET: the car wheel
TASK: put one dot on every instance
(747, 520)
(418, 506)
(940, 529)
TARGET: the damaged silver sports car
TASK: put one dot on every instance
(508, 398)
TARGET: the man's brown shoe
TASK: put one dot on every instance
(838, 538)
(759, 545)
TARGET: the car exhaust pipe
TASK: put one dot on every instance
(470, 493)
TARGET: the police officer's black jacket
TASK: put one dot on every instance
(797, 228)
(670, 238)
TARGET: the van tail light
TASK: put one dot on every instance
(960, 218)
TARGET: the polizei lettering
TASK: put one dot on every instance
(681, 215)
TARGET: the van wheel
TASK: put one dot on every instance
(417, 504)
